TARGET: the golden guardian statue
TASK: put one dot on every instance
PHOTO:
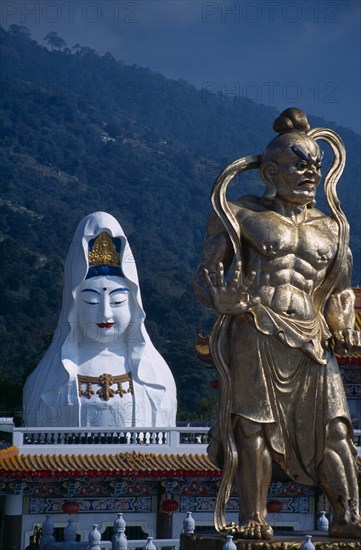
(278, 273)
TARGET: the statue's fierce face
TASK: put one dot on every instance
(103, 309)
(294, 170)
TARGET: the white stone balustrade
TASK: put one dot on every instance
(192, 440)
(99, 440)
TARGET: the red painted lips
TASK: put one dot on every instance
(105, 325)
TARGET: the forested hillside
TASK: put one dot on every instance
(82, 133)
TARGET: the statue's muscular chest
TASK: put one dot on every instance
(274, 236)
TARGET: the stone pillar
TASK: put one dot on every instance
(13, 522)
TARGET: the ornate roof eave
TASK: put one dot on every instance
(18, 466)
(13, 464)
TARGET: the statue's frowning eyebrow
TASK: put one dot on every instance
(91, 290)
(306, 156)
(300, 153)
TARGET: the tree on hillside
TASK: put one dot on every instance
(109, 57)
(85, 50)
(18, 30)
(55, 41)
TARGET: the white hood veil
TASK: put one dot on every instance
(51, 392)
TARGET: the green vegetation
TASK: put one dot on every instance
(81, 133)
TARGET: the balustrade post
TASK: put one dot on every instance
(119, 540)
(173, 439)
(70, 531)
(189, 523)
(94, 538)
(47, 533)
(18, 438)
(149, 544)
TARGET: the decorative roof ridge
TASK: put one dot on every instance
(122, 462)
(9, 452)
(134, 455)
(28, 466)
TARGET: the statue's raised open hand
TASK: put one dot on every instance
(230, 298)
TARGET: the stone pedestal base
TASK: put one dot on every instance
(293, 542)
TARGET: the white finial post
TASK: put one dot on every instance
(119, 523)
(229, 544)
(308, 544)
(149, 545)
(322, 522)
(189, 523)
(47, 530)
(70, 531)
(119, 540)
(94, 538)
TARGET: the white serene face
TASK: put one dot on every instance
(103, 310)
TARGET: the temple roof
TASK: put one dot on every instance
(202, 348)
(125, 463)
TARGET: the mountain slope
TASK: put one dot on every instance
(82, 133)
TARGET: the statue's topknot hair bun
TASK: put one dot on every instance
(291, 120)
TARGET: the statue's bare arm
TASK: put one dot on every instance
(217, 248)
(340, 315)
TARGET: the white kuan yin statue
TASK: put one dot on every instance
(101, 369)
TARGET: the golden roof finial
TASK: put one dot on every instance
(104, 252)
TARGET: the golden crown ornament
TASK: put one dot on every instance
(104, 252)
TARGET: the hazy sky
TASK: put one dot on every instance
(283, 53)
